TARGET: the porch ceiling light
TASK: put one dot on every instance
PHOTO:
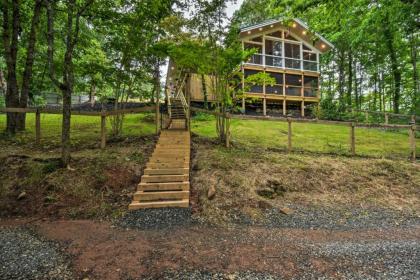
(304, 32)
(271, 26)
(294, 24)
(260, 29)
(249, 32)
(323, 46)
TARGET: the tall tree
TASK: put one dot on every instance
(74, 12)
(12, 37)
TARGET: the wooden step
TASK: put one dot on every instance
(171, 186)
(166, 171)
(156, 165)
(158, 204)
(161, 195)
(164, 178)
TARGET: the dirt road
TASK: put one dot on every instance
(100, 250)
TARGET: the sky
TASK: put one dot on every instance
(232, 7)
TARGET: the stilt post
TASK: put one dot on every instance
(37, 127)
(103, 129)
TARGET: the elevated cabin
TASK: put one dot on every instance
(290, 53)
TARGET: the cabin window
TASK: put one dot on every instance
(292, 55)
(310, 84)
(273, 53)
(288, 36)
(293, 85)
(256, 58)
(252, 87)
(277, 87)
(257, 39)
(305, 48)
(275, 34)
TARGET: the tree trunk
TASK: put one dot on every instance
(92, 93)
(27, 73)
(396, 72)
(204, 87)
(10, 45)
(341, 80)
(416, 85)
(350, 80)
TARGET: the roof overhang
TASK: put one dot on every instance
(295, 26)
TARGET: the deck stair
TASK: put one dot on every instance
(165, 182)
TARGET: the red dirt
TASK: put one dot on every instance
(102, 251)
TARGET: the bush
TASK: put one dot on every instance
(202, 117)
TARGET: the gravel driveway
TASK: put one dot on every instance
(171, 244)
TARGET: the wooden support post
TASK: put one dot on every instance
(37, 127)
(284, 107)
(103, 130)
(243, 104)
(367, 117)
(264, 107)
(227, 130)
(386, 118)
(289, 135)
(352, 139)
(412, 135)
(302, 109)
(413, 119)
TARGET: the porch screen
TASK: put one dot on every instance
(293, 85)
(252, 87)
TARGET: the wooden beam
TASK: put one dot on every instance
(37, 127)
(289, 135)
(412, 135)
(352, 139)
(103, 131)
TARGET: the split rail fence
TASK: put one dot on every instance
(102, 114)
(411, 128)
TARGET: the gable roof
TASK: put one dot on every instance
(298, 27)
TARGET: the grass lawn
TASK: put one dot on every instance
(312, 137)
(84, 129)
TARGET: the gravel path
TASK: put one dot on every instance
(329, 218)
(25, 256)
(300, 218)
(160, 218)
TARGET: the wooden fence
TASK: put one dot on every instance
(352, 125)
(413, 118)
(102, 114)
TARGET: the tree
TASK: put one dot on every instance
(74, 14)
(12, 40)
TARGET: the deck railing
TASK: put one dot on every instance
(283, 62)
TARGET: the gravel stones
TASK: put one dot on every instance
(25, 256)
(207, 275)
(159, 218)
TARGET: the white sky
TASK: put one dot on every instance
(232, 7)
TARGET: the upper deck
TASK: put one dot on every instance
(290, 46)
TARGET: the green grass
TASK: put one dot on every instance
(84, 129)
(319, 138)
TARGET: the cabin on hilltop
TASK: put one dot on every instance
(290, 53)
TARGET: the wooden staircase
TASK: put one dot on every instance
(165, 182)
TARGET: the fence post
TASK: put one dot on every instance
(352, 139)
(413, 119)
(227, 116)
(37, 127)
(103, 129)
(289, 135)
(412, 135)
(386, 118)
(367, 117)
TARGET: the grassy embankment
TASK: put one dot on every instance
(101, 181)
